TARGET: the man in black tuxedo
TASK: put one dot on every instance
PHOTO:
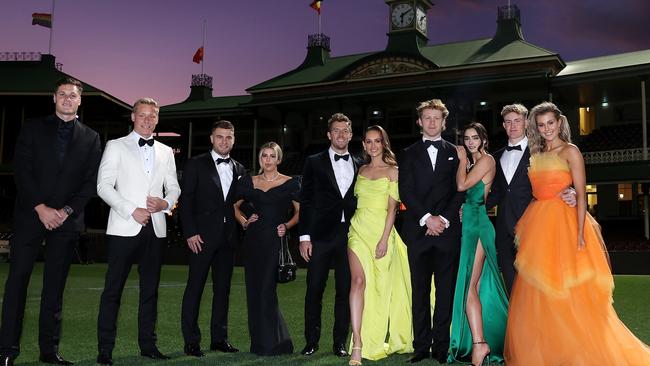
(207, 217)
(431, 228)
(56, 165)
(511, 191)
(327, 204)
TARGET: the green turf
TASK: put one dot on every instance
(79, 339)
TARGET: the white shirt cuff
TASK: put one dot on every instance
(445, 221)
(423, 220)
(170, 204)
(305, 238)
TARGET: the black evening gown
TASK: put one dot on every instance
(267, 328)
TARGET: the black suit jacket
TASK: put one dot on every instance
(40, 178)
(424, 190)
(321, 203)
(202, 207)
(511, 199)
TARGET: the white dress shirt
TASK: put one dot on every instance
(148, 156)
(510, 159)
(225, 172)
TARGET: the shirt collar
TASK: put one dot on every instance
(439, 138)
(332, 153)
(136, 137)
(216, 156)
(523, 143)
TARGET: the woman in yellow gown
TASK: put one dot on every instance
(561, 309)
(380, 294)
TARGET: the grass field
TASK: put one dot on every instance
(79, 339)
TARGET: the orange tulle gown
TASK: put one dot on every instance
(561, 309)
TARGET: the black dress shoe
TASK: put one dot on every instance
(309, 350)
(339, 350)
(6, 361)
(440, 356)
(104, 359)
(419, 357)
(223, 346)
(154, 354)
(54, 359)
(193, 349)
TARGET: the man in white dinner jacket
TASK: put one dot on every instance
(137, 179)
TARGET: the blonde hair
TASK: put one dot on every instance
(516, 108)
(147, 101)
(536, 141)
(433, 104)
(273, 146)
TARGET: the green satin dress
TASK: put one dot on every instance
(492, 294)
(386, 325)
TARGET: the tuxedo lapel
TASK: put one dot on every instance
(214, 174)
(329, 170)
(235, 179)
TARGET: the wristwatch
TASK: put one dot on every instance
(68, 210)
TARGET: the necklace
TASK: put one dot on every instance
(277, 175)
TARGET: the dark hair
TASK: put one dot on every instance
(226, 125)
(482, 134)
(339, 117)
(69, 81)
(387, 155)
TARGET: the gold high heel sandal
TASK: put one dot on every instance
(486, 359)
(355, 362)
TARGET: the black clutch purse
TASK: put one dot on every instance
(286, 266)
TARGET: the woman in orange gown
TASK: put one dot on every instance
(561, 309)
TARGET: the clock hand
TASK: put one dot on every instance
(404, 13)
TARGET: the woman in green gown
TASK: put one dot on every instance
(380, 294)
(480, 309)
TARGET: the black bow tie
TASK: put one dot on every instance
(220, 160)
(437, 144)
(142, 142)
(516, 147)
(344, 157)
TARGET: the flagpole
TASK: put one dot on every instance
(51, 30)
(203, 61)
(319, 24)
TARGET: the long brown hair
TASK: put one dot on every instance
(387, 156)
(536, 141)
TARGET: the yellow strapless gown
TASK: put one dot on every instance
(386, 325)
(561, 309)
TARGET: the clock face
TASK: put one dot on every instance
(402, 15)
(421, 20)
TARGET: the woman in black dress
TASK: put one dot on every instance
(271, 196)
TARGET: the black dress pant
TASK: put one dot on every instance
(506, 252)
(433, 333)
(25, 246)
(146, 250)
(220, 258)
(324, 253)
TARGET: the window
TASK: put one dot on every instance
(625, 192)
(587, 120)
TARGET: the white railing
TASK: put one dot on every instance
(613, 156)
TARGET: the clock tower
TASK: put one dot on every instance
(408, 25)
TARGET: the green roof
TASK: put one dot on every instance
(475, 53)
(39, 78)
(611, 62)
(208, 105)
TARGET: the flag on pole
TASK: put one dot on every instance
(315, 4)
(198, 55)
(42, 19)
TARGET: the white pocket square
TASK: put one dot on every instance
(451, 158)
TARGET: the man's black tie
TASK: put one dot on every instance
(344, 157)
(437, 144)
(220, 160)
(516, 147)
(142, 142)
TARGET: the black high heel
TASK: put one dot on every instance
(486, 359)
